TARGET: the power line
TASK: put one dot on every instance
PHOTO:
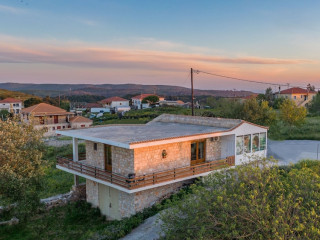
(239, 79)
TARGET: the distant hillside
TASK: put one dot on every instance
(108, 90)
(14, 94)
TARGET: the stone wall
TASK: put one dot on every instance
(149, 159)
(213, 150)
(122, 160)
(95, 157)
(126, 204)
(92, 192)
(80, 125)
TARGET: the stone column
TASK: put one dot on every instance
(75, 157)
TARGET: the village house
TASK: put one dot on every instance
(137, 101)
(299, 95)
(116, 104)
(12, 105)
(51, 118)
(130, 167)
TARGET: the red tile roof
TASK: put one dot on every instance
(10, 100)
(93, 105)
(80, 119)
(42, 109)
(142, 96)
(113, 99)
(296, 90)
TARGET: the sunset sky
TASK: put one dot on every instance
(156, 42)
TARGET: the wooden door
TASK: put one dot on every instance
(55, 119)
(107, 157)
(198, 152)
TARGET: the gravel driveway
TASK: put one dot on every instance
(291, 151)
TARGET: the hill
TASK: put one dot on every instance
(109, 90)
(14, 94)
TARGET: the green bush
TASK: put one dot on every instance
(254, 201)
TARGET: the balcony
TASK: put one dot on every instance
(138, 182)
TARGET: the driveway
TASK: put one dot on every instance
(291, 151)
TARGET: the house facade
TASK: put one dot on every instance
(51, 118)
(299, 95)
(137, 101)
(116, 104)
(12, 105)
(131, 167)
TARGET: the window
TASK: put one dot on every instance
(59, 127)
(95, 146)
(247, 143)
(53, 128)
(239, 145)
(255, 142)
(263, 139)
(108, 157)
(294, 97)
(64, 127)
(83, 126)
(41, 120)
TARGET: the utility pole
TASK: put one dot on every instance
(192, 104)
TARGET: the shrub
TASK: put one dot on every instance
(253, 201)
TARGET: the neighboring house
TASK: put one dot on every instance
(80, 122)
(78, 107)
(252, 96)
(299, 95)
(116, 104)
(12, 105)
(50, 118)
(96, 108)
(137, 100)
(131, 167)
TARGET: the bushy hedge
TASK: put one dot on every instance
(254, 201)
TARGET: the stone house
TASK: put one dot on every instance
(51, 118)
(299, 95)
(12, 105)
(131, 167)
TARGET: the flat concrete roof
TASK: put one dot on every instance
(128, 134)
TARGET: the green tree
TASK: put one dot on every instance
(4, 114)
(32, 101)
(314, 106)
(21, 167)
(258, 113)
(152, 99)
(253, 201)
(291, 114)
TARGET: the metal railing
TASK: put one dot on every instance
(147, 179)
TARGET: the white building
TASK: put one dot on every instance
(137, 100)
(116, 104)
(12, 105)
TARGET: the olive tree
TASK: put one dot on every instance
(21, 167)
(292, 114)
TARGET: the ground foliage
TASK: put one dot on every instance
(254, 201)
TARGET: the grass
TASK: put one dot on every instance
(57, 181)
(79, 220)
(310, 130)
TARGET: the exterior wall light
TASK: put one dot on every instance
(164, 153)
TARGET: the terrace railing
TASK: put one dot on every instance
(148, 179)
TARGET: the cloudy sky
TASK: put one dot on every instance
(157, 42)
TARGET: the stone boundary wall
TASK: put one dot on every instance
(206, 121)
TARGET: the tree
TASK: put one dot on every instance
(21, 167)
(4, 114)
(314, 106)
(310, 88)
(152, 99)
(258, 113)
(254, 201)
(32, 101)
(291, 114)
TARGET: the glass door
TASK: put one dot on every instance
(198, 152)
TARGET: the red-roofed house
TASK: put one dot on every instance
(12, 105)
(116, 104)
(51, 118)
(299, 95)
(137, 100)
